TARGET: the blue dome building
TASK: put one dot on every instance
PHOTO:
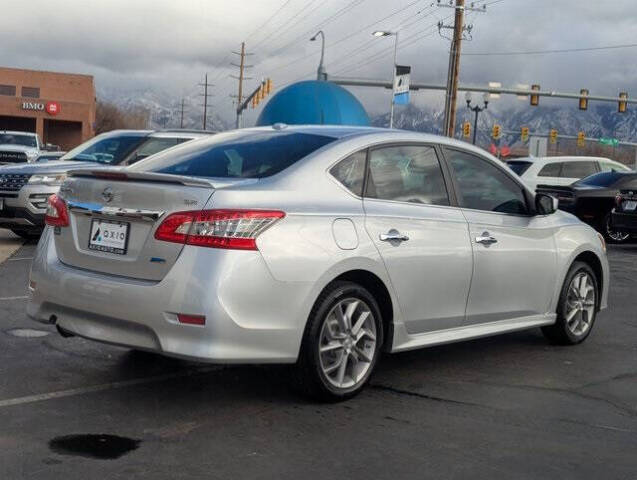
(313, 102)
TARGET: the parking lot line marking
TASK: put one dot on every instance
(100, 388)
(19, 258)
(14, 298)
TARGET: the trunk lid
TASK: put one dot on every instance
(113, 216)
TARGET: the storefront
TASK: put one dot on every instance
(60, 107)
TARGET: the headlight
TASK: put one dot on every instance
(47, 179)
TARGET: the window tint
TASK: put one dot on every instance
(237, 155)
(406, 174)
(550, 170)
(578, 169)
(519, 166)
(31, 92)
(351, 172)
(483, 186)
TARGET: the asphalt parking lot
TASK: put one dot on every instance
(503, 407)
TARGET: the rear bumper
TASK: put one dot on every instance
(250, 317)
(626, 222)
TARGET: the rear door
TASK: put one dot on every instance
(514, 252)
(422, 240)
(113, 217)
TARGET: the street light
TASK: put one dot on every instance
(384, 33)
(477, 109)
(320, 72)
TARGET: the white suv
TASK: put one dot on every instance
(561, 171)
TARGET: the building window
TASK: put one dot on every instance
(30, 92)
(7, 90)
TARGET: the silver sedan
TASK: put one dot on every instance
(319, 246)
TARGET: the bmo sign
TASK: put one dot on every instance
(52, 108)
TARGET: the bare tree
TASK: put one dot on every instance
(109, 116)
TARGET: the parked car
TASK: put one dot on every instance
(592, 200)
(319, 246)
(24, 189)
(624, 216)
(19, 147)
(561, 171)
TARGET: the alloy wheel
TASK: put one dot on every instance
(347, 343)
(580, 304)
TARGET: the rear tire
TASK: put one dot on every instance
(577, 307)
(341, 343)
(27, 234)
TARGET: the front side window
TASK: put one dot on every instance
(550, 170)
(351, 172)
(406, 174)
(236, 155)
(578, 169)
(483, 186)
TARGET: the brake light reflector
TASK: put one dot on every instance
(232, 229)
(618, 200)
(191, 319)
(56, 213)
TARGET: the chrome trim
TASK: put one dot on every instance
(91, 209)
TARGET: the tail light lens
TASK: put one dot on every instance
(56, 213)
(618, 200)
(233, 229)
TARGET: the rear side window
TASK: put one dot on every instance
(578, 169)
(406, 174)
(237, 155)
(518, 166)
(550, 170)
(351, 172)
(611, 167)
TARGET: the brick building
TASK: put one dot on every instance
(60, 107)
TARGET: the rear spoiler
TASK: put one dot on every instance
(120, 175)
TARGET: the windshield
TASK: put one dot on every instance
(603, 179)
(153, 145)
(17, 139)
(236, 155)
(108, 149)
(519, 166)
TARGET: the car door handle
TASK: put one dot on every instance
(486, 239)
(393, 236)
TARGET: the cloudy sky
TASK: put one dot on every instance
(168, 45)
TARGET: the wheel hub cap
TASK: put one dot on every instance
(580, 304)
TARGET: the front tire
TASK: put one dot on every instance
(577, 307)
(341, 344)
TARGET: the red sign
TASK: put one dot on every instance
(52, 108)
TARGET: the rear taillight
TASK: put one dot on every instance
(235, 229)
(618, 200)
(56, 213)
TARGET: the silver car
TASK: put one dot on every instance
(319, 246)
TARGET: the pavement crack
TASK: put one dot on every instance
(400, 391)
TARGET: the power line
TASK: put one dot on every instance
(542, 52)
(274, 15)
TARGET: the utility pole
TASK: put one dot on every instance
(205, 105)
(181, 122)
(453, 72)
(242, 66)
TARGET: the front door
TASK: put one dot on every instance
(422, 240)
(514, 252)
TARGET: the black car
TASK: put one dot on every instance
(592, 200)
(624, 216)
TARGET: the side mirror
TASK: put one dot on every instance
(545, 204)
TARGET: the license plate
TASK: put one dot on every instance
(629, 205)
(107, 236)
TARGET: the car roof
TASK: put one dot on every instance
(15, 132)
(125, 133)
(564, 158)
(179, 133)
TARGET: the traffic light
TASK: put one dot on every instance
(535, 99)
(496, 131)
(268, 86)
(583, 99)
(524, 136)
(581, 139)
(621, 108)
(466, 129)
(553, 135)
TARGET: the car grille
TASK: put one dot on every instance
(13, 157)
(13, 182)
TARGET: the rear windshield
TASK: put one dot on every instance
(518, 166)
(603, 179)
(236, 155)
